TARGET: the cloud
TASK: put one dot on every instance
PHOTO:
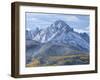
(72, 18)
(87, 28)
(32, 19)
(81, 30)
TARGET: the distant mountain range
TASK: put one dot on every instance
(57, 39)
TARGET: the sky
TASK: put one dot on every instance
(80, 23)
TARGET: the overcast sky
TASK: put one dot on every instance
(80, 23)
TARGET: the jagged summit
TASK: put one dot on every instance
(61, 25)
(60, 22)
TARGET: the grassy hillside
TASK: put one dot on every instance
(71, 59)
(55, 54)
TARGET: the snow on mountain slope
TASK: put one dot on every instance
(46, 34)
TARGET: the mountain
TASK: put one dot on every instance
(85, 36)
(60, 32)
(28, 34)
(56, 40)
(54, 29)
